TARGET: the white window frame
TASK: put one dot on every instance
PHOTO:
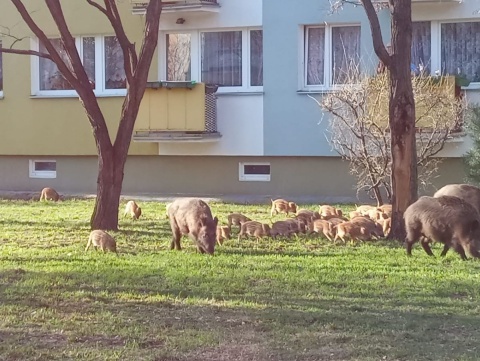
(436, 45)
(242, 177)
(196, 58)
(328, 62)
(99, 90)
(41, 174)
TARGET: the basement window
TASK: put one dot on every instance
(43, 168)
(255, 172)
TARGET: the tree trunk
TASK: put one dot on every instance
(402, 118)
(109, 188)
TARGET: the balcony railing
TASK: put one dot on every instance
(173, 111)
(178, 6)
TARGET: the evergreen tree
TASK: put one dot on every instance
(472, 157)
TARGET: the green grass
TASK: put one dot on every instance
(282, 300)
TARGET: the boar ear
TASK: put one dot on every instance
(215, 220)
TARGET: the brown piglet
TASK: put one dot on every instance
(101, 239)
(133, 210)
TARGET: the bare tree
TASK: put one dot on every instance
(360, 133)
(111, 156)
(401, 102)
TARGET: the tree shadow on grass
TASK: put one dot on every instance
(362, 328)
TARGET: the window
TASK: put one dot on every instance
(1, 72)
(254, 172)
(332, 55)
(233, 60)
(421, 47)
(459, 48)
(178, 53)
(447, 47)
(102, 59)
(43, 168)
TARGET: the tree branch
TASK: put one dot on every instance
(128, 49)
(378, 45)
(25, 52)
(98, 6)
(55, 57)
(69, 46)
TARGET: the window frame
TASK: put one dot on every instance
(242, 177)
(100, 72)
(47, 174)
(328, 56)
(196, 60)
(436, 45)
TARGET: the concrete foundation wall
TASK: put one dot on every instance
(304, 179)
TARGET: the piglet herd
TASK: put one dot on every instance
(451, 217)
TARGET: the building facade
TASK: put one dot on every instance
(268, 58)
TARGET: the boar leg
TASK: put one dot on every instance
(445, 250)
(176, 239)
(459, 249)
(426, 247)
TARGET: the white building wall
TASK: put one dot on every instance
(240, 121)
(239, 115)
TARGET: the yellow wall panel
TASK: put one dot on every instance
(176, 109)
(58, 125)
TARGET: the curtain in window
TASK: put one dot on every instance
(421, 47)
(345, 54)
(178, 57)
(88, 47)
(50, 76)
(256, 58)
(222, 58)
(315, 56)
(460, 49)
(115, 77)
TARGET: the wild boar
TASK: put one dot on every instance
(281, 228)
(223, 233)
(254, 229)
(324, 227)
(193, 217)
(236, 219)
(281, 205)
(297, 225)
(352, 231)
(307, 215)
(387, 209)
(133, 210)
(445, 219)
(373, 228)
(327, 211)
(49, 194)
(467, 192)
(101, 239)
(363, 209)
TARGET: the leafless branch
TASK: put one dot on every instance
(25, 52)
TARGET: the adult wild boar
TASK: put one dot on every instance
(193, 217)
(446, 219)
(467, 192)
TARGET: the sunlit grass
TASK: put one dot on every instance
(288, 299)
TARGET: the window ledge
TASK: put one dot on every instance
(240, 93)
(43, 96)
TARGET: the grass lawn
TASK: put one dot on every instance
(282, 300)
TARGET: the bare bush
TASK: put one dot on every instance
(359, 128)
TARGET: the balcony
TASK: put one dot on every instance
(177, 111)
(179, 7)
